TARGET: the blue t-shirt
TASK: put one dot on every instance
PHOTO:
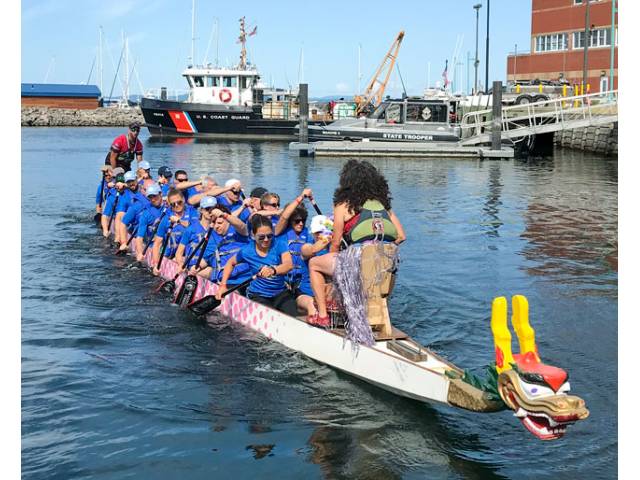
(189, 215)
(132, 216)
(110, 202)
(191, 238)
(149, 219)
(223, 200)
(190, 192)
(128, 198)
(220, 249)
(265, 287)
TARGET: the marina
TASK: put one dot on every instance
(331, 244)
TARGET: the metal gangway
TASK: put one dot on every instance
(526, 120)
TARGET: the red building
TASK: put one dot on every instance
(557, 44)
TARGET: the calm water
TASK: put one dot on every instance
(117, 384)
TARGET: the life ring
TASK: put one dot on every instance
(225, 95)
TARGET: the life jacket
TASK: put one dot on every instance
(373, 223)
(294, 244)
(227, 248)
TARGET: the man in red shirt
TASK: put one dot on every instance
(124, 148)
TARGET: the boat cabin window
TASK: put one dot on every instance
(393, 114)
(198, 81)
(213, 81)
(230, 82)
(246, 82)
(420, 112)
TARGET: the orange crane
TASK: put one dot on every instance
(372, 95)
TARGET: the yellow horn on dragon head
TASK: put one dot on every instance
(520, 321)
(501, 334)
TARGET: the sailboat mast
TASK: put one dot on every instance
(100, 60)
(193, 32)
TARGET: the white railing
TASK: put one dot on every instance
(171, 94)
(531, 117)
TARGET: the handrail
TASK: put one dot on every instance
(532, 115)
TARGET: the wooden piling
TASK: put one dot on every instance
(496, 123)
(303, 110)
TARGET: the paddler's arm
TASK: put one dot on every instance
(396, 223)
(283, 268)
(226, 273)
(179, 256)
(289, 209)
(113, 158)
(239, 225)
(339, 211)
(309, 250)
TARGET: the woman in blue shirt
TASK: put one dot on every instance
(270, 259)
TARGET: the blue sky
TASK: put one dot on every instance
(328, 32)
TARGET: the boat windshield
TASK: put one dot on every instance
(432, 112)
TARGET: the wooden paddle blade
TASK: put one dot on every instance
(204, 305)
(97, 218)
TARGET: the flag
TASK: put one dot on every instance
(254, 31)
(444, 74)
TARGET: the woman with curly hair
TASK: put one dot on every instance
(361, 212)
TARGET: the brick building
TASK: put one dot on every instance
(557, 44)
(57, 95)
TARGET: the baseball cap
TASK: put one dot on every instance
(208, 202)
(231, 181)
(258, 192)
(129, 176)
(118, 171)
(165, 172)
(106, 168)
(144, 165)
(321, 224)
(133, 125)
(153, 189)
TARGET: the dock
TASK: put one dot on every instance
(397, 149)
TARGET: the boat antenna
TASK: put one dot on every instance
(404, 95)
(242, 40)
(193, 32)
(217, 41)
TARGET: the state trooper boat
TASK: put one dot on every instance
(412, 119)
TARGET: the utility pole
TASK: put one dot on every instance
(587, 40)
(515, 63)
(486, 61)
(477, 8)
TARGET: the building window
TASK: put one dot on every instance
(600, 37)
(580, 2)
(552, 43)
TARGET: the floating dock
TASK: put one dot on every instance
(397, 149)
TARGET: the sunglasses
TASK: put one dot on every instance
(297, 220)
(135, 130)
(235, 192)
(274, 205)
(177, 204)
(180, 179)
(264, 236)
(209, 209)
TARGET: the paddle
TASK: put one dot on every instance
(317, 208)
(169, 285)
(164, 245)
(122, 251)
(188, 289)
(210, 302)
(98, 216)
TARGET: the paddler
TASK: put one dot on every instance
(231, 199)
(165, 176)
(195, 232)
(229, 235)
(209, 188)
(103, 188)
(180, 216)
(124, 148)
(129, 203)
(115, 188)
(361, 201)
(150, 217)
(271, 261)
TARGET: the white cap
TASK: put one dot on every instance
(321, 224)
(129, 176)
(144, 165)
(231, 181)
(208, 202)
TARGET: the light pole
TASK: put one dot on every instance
(477, 8)
(486, 61)
(587, 40)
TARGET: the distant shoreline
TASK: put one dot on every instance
(66, 117)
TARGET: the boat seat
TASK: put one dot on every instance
(378, 278)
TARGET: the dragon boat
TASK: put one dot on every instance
(537, 393)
